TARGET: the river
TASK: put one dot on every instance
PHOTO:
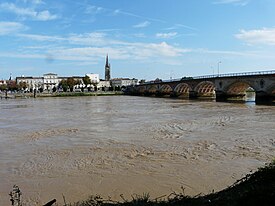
(112, 145)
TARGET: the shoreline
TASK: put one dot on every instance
(60, 94)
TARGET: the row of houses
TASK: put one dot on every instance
(50, 81)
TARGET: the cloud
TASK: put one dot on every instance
(36, 37)
(34, 1)
(132, 51)
(234, 2)
(140, 35)
(264, 36)
(142, 24)
(90, 9)
(158, 50)
(23, 56)
(94, 38)
(28, 12)
(166, 35)
(179, 26)
(125, 13)
(10, 27)
(87, 46)
(87, 39)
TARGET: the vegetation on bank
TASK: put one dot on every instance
(64, 94)
(78, 94)
(254, 189)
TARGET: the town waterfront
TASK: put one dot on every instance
(112, 145)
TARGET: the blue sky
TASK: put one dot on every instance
(145, 39)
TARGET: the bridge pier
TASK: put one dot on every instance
(221, 96)
(264, 98)
(224, 97)
(193, 95)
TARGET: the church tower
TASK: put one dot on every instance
(107, 69)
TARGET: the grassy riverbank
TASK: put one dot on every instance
(254, 189)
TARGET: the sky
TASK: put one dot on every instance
(145, 39)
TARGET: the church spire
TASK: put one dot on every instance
(107, 69)
(107, 61)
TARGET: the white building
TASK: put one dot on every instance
(94, 78)
(3, 82)
(123, 82)
(103, 85)
(31, 82)
(50, 81)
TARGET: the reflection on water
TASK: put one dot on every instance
(121, 144)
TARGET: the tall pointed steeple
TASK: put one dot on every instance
(107, 61)
(107, 69)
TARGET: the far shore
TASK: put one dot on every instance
(61, 94)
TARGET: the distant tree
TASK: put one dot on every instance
(86, 80)
(117, 88)
(22, 85)
(158, 80)
(71, 83)
(3, 87)
(11, 85)
(142, 81)
(63, 85)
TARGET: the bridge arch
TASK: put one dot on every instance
(238, 87)
(271, 89)
(182, 90)
(151, 90)
(205, 89)
(241, 90)
(165, 90)
(141, 89)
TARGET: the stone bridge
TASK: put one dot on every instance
(223, 87)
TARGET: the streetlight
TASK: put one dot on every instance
(213, 70)
(171, 74)
(219, 67)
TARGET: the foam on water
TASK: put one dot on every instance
(126, 145)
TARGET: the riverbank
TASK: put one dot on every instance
(61, 94)
(76, 94)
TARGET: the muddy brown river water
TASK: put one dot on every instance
(127, 145)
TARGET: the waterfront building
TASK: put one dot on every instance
(30, 83)
(94, 78)
(50, 80)
(79, 83)
(103, 85)
(3, 82)
(123, 82)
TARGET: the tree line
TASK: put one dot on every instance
(65, 85)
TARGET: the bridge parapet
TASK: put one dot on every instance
(222, 87)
